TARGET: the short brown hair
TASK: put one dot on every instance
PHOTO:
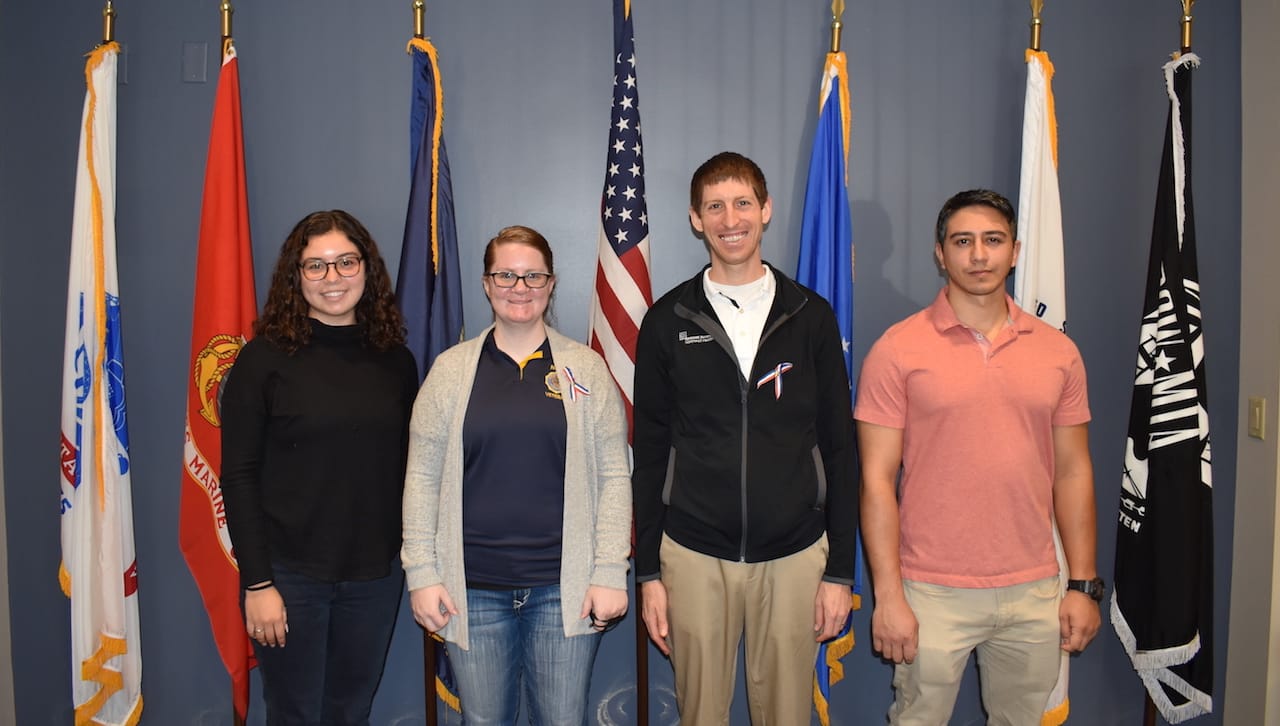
(722, 166)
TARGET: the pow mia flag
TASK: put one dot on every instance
(1162, 606)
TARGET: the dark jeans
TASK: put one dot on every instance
(329, 668)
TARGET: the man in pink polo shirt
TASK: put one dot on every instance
(985, 411)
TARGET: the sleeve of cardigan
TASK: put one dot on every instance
(613, 514)
(428, 436)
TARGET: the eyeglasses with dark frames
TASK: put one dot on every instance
(314, 268)
(532, 280)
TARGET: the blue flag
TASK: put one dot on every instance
(428, 286)
(826, 266)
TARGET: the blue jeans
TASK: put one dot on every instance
(517, 638)
(331, 663)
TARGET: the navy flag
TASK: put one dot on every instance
(1162, 607)
(427, 285)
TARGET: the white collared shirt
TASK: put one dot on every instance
(742, 310)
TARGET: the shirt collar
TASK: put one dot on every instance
(944, 316)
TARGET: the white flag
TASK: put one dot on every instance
(99, 571)
(1039, 285)
(1038, 280)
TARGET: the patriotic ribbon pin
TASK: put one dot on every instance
(775, 377)
(574, 387)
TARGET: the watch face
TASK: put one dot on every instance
(1096, 588)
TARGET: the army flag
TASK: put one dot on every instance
(99, 572)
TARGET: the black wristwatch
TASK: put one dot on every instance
(1094, 588)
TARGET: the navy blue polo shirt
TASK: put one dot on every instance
(513, 442)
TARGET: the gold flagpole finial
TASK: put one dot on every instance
(1186, 25)
(227, 11)
(419, 20)
(1036, 24)
(108, 23)
(837, 12)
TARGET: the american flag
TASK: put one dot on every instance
(622, 292)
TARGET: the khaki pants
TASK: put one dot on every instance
(712, 603)
(1015, 631)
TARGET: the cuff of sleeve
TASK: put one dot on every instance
(614, 576)
(417, 578)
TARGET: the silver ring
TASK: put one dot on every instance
(257, 630)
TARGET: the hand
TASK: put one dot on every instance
(604, 605)
(895, 632)
(655, 613)
(1078, 621)
(432, 607)
(830, 609)
(264, 616)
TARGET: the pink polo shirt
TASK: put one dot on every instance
(976, 495)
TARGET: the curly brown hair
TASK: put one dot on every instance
(284, 318)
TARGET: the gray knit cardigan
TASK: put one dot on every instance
(597, 483)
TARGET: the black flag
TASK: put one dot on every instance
(1162, 607)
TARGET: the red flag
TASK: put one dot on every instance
(225, 308)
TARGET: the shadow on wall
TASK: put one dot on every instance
(878, 303)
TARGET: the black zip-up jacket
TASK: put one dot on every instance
(723, 465)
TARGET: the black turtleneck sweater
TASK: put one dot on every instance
(313, 455)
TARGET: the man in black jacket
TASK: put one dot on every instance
(744, 485)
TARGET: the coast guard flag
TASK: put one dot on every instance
(427, 284)
(99, 572)
(225, 308)
(1162, 607)
(622, 293)
(1039, 279)
(826, 266)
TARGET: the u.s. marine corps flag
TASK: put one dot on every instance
(99, 572)
(1162, 608)
(224, 312)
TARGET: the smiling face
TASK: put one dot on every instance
(977, 251)
(732, 218)
(333, 298)
(519, 305)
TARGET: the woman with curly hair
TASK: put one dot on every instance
(315, 429)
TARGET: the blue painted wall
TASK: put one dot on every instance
(937, 101)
